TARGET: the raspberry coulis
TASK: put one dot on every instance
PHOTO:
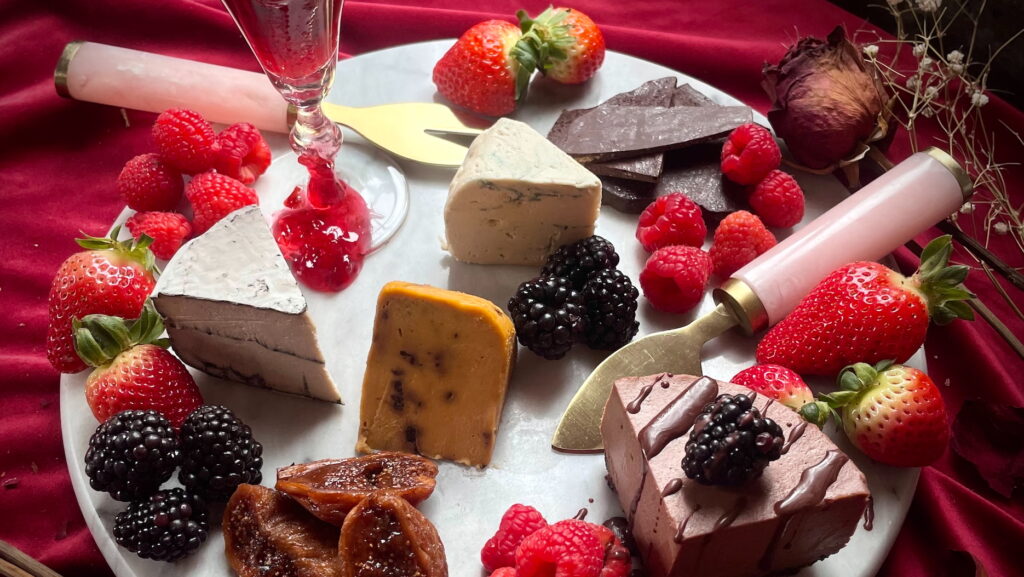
(324, 230)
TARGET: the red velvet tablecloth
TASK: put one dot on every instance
(59, 160)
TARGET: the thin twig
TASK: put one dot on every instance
(1011, 274)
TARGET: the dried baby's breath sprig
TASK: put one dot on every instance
(946, 87)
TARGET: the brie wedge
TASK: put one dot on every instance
(233, 310)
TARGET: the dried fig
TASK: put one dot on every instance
(266, 534)
(385, 536)
(330, 488)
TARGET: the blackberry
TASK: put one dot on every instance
(165, 527)
(131, 454)
(548, 316)
(731, 443)
(580, 260)
(218, 453)
(609, 299)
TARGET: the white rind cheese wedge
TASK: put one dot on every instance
(233, 310)
(517, 197)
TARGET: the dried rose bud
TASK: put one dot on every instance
(826, 104)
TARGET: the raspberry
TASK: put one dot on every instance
(749, 154)
(147, 183)
(567, 549)
(672, 219)
(778, 200)
(518, 523)
(504, 572)
(740, 238)
(674, 278)
(167, 229)
(184, 140)
(617, 559)
(214, 196)
(241, 153)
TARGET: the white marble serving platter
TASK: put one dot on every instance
(468, 502)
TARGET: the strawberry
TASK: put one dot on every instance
(866, 312)
(892, 413)
(487, 70)
(111, 277)
(776, 382)
(570, 44)
(134, 369)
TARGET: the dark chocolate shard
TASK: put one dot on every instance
(629, 196)
(559, 133)
(694, 171)
(697, 173)
(687, 95)
(646, 167)
(612, 132)
(656, 92)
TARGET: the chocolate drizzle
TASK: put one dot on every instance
(672, 487)
(581, 514)
(678, 537)
(729, 516)
(677, 417)
(634, 406)
(814, 482)
(810, 490)
(636, 499)
(764, 410)
(869, 514)
(794, 435)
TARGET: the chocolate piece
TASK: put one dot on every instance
(646, 167)
(612, 132)
(687, 95)
(695, 171)
(629, 196)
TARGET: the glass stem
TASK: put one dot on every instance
(313, 134)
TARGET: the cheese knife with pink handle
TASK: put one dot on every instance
(126, 78)
(919, 192)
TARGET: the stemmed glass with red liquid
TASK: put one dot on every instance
(326, 227)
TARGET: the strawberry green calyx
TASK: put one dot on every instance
(941, 283)
(133, 249)
(854, 380)
(817, 413)
(99, 339)
(546, 39)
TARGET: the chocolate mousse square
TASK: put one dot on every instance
(804, 507)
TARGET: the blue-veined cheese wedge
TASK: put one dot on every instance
(517, 197)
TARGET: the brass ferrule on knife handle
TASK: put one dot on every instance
(742, 303)
(885, 214)
(127, 78)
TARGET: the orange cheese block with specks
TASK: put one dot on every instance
(436, 375)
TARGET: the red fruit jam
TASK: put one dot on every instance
(325, 234)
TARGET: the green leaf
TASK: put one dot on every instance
(866, 373)
(935, 255)
(840, 398)
(100, 338)
(961, 309)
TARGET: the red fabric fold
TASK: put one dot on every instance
(59, 159)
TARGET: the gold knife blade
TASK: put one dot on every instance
(673, 351)
(406, 130)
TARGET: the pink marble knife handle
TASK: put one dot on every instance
(143, 81)
(917, 193)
